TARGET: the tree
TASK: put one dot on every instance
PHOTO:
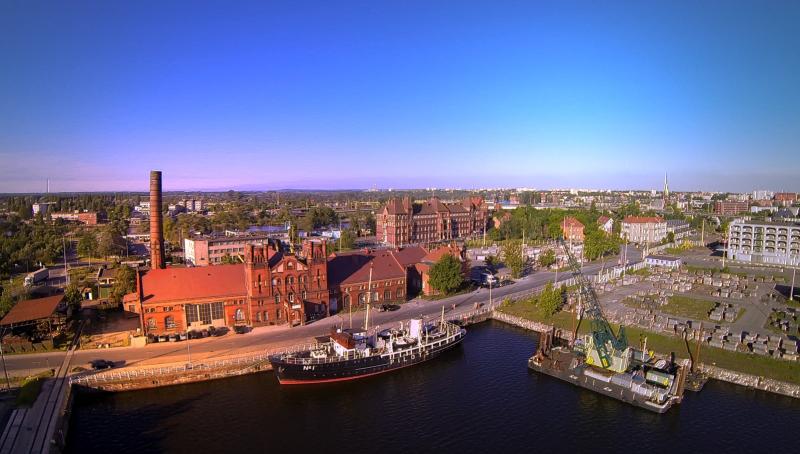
(347, 240)
(670, 237)
(547, 258)
(73, 296)
(445, 275)
(550, 300)
(512, 257)
(124, 284)
(87, 244)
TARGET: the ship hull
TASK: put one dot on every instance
(297, 373)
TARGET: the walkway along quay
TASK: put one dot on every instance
(126, 379)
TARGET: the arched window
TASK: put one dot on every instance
(291, 298)
(399, 294)
(304, 295)
(387, 295)
(169, 322)
(362, 298)
(239, 315)
(290, 280)
(290, 265)
(277, 299)
(277, 282)
(151, 324)
(258, 316)
(347, 300)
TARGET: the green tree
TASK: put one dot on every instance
(445, 275)
(550, 300)
(73, 296)
(547, 258)
(670, 237)
(125, 283)
(512, 257)
(347, 240)
(87, 244)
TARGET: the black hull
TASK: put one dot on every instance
(292, 372)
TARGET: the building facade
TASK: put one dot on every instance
(273, 286)
(606, 224)
(212, 250)
(773, 243)
(572, 229)
(643, 229)
(730, 207)
(401, 222)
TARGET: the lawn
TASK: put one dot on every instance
(30, 388)
(787, 371)
(685, 306)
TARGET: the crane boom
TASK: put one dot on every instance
(602, 333)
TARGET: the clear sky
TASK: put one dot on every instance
(402, 94)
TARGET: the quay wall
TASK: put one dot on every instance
(133, 379)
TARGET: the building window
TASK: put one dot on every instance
(290, 280)
(304, 295)
(191, 313)
(290, 297)
(278, 314)
(205, 313)
(258, 316)
(399, 294)
(362, 298)
(239, 315)
(290, 265)
(266, 316)
(387, 295)
(151, 324)
(277, 299)
(347, 300)
(217, 311)
(169, 322)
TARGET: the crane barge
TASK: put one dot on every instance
(602, 361)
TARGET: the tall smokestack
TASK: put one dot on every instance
(156, 223)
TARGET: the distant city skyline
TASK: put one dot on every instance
(410, 95)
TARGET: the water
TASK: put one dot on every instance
(477, 398)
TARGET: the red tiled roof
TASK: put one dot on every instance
(570, 221)
(602, 220)
(354, 268)
(176, 284)
(642, 219)
(436, 254)
(30, 310)
(410, 255)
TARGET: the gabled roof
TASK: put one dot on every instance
(436, 254)
(177, 284)
(571, 221)
(410, 255)
(355, 267)
(602, 220)
(31, 310)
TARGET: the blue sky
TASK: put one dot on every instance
(400, 94)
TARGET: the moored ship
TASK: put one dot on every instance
(349, 354)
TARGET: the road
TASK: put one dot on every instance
(262, 337)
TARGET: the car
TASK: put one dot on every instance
(389, 307)
(100, 364)
(241, 329)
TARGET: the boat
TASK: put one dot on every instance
(348, 354)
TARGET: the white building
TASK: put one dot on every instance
(643, 229)
(774, 243)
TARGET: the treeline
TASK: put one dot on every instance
(26, 245)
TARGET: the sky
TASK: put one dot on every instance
(407, 94)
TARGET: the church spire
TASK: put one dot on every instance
(666, 187)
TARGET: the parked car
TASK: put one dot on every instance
(100, 364)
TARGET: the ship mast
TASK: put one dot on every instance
(369, 298)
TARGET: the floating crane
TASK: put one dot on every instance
(602, 341)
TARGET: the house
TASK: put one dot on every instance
(430, 259)
(666, 261)
(643, 229)
(606, 224)
(572, 229)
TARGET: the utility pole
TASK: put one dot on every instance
(64, 245)
(369, 299)
(3, 356)
(791, 290)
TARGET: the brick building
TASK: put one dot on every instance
(730, 207)
(212, 249)
(572, 229)
(785, 198)
(273, 286)
(401, 222)
(424, 266)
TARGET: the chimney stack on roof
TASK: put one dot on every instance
(156, 223)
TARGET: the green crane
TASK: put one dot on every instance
(602, 333)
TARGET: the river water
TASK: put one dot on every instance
(477, 398)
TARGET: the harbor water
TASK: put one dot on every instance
(480, 397)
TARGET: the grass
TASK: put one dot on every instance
(641, 272)
(787, 371)
(30, 388)
(685, 306)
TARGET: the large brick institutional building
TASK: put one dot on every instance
(401, 222)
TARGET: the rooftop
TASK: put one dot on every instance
(175, 284)
(31, 310)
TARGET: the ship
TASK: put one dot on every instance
(348, 354)
(602, 361)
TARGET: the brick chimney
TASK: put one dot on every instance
(156, 223)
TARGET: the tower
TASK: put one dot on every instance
(666, 187)
(156, 223)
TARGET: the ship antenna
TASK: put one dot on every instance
(369, 298)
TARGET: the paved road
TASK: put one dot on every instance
(261, 338)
